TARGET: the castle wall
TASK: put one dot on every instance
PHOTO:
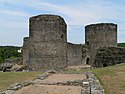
(108, 56)
(25, 51)
(47, 42)
(47, 47)
(74, 54)
(100, 35)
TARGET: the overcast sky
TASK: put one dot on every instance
(14, 17)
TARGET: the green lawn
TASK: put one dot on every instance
(8, 78)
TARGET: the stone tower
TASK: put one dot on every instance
(46, 46)
(100, 35)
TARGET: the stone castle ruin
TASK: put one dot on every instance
(47, 46)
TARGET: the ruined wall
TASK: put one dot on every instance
(46, 43)
(86, 54)
(100, 35)
(47, 47)
(74, 54)
(107, 56)
(25, 51)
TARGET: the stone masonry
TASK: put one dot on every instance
(108, 56)
(47, 46)
(100, 35)
(74, 54)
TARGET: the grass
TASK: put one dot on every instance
(112, 78)
(8, 78)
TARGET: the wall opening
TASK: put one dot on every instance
(87, 60)
(62, 36)
(87, 42)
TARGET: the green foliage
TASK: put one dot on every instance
(7, 52)
(121, 44)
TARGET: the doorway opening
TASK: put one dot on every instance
(105, 65)
(87, 60)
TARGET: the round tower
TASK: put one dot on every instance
(46, 43)
(100, 35)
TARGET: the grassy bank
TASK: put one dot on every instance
(8, 78)
(112, 78)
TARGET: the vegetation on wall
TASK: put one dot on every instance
(7, 52)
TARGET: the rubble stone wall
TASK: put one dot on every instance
(108, 56)
(46, 47)
(74, 54)
(100, 35)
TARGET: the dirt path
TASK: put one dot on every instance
(50, 89)
(55, 89)
(77, 68)
(65, 77)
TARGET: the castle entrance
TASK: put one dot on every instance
(87, 60)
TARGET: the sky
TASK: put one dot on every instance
(14, 17)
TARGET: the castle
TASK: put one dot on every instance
(47, 46)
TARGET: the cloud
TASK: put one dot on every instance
(84, 13)
(14, 13)
(13, 21)
(10, 1)
(81, 13)
(76, 14)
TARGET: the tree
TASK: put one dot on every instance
(7, 52)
